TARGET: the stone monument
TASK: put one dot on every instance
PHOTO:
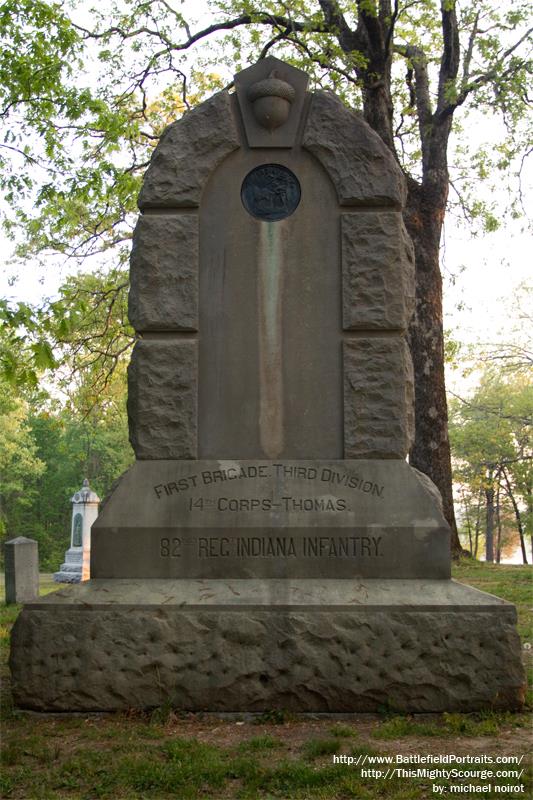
(21, 570)
(77, 566)
(270, 547)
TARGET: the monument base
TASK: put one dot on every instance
(72, 569)
(257, 645)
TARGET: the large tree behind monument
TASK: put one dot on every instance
(411, 68)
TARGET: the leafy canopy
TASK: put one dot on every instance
(86, 91)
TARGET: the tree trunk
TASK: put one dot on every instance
(498, 527)
(529, 503)
(424, 215)
(468, 523)
(430, 452)
(489, 535)
(478, 525)
(517, 516)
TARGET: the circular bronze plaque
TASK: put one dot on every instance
(271, 192)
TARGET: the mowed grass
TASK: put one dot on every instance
(162, 754)
(121, 757)
(512, 582)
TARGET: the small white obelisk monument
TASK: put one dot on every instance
(78, 557)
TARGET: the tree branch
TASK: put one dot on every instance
(372, 28)
(390, 31)
(449, 65)
(336, 24)
(486, 77)
(243, 19)
(417, 59)
(469, 51)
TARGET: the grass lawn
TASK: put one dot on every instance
(165, 754)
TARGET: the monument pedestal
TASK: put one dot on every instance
(256, 645)
(72, 568)
(253, 585)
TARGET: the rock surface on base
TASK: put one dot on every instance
(377, 271)
(361, 167)
(378, 398)
(164, 274)
(162, 399)
(188, 153)
(448, 647)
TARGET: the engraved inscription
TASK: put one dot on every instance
(257, 472)
(288, 504)
(77, 538)
(170, 547)
(273, 547)
(271, 192)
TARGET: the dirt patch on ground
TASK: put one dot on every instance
(352, 731)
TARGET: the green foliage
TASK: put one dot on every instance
(79, 153)
(40, 50)
(316, 748)
(54, 452)
(49, 443)
(342, 731)
(450, 725)
(83, 335)
(20, 465)
(492, 444)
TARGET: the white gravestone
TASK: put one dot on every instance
(76, 567)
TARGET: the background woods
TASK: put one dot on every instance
(84, 97)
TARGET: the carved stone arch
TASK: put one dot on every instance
(362, 169)
(369, 255)
(188, 152)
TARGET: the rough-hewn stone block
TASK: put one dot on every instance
(378, 398)
(188, 153)
(133, 645)
(164, 274)
(361, 167)
(162, 399)
(377, 271)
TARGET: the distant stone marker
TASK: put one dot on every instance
(21, 570)
(271, 547)
(77, 564)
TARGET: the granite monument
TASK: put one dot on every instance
(270, 547)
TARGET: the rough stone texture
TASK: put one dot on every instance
(285, 519)
(164, 274)
(187, 154)
(378, 398)
(96, 656)
(21, 570)
(378, 271)
(361, 167)
(162, 399)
